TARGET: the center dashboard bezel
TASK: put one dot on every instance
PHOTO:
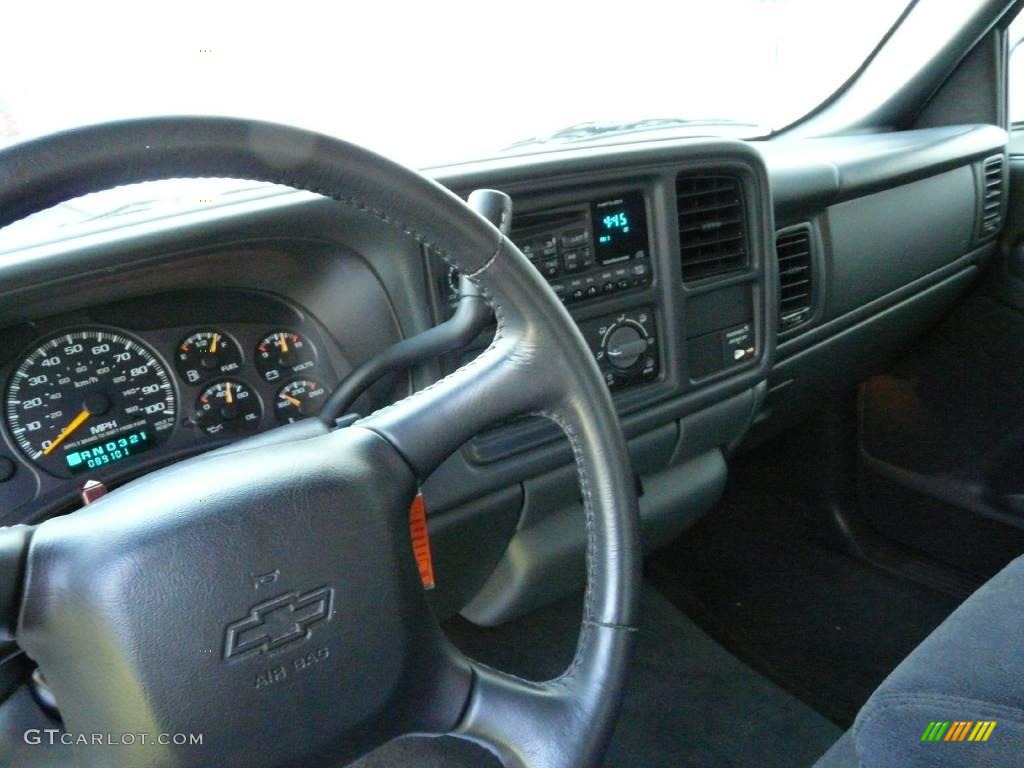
(562, 183)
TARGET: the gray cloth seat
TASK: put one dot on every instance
(969, 670)
(842, 754)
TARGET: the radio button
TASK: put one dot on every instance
(575, 238)
(549, 245)
(572, 261)
(550, 267)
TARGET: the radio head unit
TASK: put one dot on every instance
(591, 249)
(585, 250)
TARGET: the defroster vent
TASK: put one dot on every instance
(712, 232)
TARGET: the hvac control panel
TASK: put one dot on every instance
(625, 345)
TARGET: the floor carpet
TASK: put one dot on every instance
(689, 702)
(825, 626)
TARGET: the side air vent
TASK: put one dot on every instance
(796, 276)
(712, 235)
(991, 215)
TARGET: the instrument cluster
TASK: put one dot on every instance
(95, 402)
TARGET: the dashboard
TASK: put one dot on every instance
(724, 287)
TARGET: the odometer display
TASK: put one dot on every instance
(108, 451)
(79, 393)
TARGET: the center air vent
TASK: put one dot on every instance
(712, 236)
(796, 276)
(991, 217)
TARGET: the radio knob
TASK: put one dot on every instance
(624, 346)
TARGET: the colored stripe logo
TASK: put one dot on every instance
(958, 730)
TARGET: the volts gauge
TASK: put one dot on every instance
(282, 354)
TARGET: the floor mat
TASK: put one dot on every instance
(823, 625)
(688, 703)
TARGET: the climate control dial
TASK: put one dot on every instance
(624, 344)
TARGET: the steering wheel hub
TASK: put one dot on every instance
(259, 586)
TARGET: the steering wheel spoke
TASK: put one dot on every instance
(429, 425)
(535, 724)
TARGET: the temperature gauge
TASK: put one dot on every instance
(299, 399)
(205, 354)
(283, 353)
(228, 407)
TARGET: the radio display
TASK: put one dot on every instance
(620, 228)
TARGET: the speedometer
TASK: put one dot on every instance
(88, 398)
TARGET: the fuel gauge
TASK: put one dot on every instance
(299, 399)
(283, 353)
(205, 354)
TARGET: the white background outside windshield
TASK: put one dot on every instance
(431, 83)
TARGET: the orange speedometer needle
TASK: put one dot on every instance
(284, 343)
(227, 393)
(78, 421)
(213, 345)
(293, 400)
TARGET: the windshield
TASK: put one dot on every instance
(437, 83)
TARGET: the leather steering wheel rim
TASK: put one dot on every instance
(538, 363)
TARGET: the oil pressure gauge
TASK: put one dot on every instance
(228, 407)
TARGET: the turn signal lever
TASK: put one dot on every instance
(472, 314)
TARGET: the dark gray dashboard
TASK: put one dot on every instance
(881, 233)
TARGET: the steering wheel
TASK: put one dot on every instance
(145, 610)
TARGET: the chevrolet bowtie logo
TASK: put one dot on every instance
(278, 622)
